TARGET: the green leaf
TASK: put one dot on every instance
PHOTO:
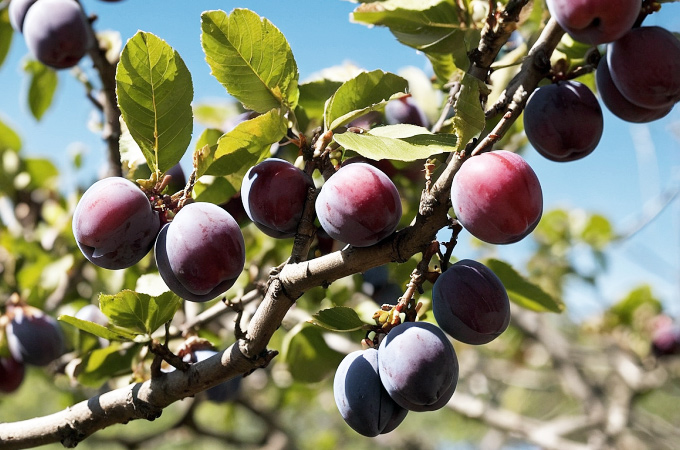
(9, 139)
(243, 147)
(251, 58)
(642, 296)
(138, 312)
(103, 364)
(307, 355)
(397, 142)
(41, 87)
(6, 33)
(360, 95)
(42, 172)
(155, 91)
(110, 332)
(469, 120)
(598, 232)
(313, 96)
(523, 292)
(430, 26)
(338, 318)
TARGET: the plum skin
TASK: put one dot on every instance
(11, 374)
(33, 337)
(362, 400)
(470, 303)
(418, 366)
(405, 110)
(645, 67)
(17, 13)
(497, 197)
(114, 223)
(56, 33)
(595, 21)
(274, 193)
(563, 121)
(201, 253)
(619, 105)
(359, 205)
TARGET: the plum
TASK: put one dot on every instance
(645, 67)
(563, 121)
(17, 13)
(362, 400)
(359, 205)
(470, 303)
(595, 21)
(201, 253)
(418, 366)
(114, 223)
(33, 337)
(497, 197)
(56, 32)
(274, 193)
(11, 374)
(405, 110)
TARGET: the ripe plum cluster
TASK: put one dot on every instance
(415, 368)
(199, 254)
(638, 80)
(56, 31)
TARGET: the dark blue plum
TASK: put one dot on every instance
(405, 110)
(418, 366)
(33, 337)
(11, 374)
(56, 32)
(362, 400)
(470, 303)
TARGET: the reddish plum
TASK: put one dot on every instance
(359, 205)
(497, 197)
(619, 105)
(595, 21)
(114, 223)
(201, 253)
(645, 67)
(274, 193)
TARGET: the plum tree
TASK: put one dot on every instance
(33, 337)
(470, 303)
(619, 105)
(497, 197)
(563, 121)
(418, 366)
(359, 205)
(362, 400)
(17, 12)
(11, 374)
(273, 195)
(405, 110)
(56, 32)
(595, 21)
(645, 67)
(201, 253)
(114, 223)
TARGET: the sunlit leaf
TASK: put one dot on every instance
(155, 91)
(251, 58)
(41, 87)
(338, 318)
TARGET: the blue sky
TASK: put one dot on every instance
(631, 166)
